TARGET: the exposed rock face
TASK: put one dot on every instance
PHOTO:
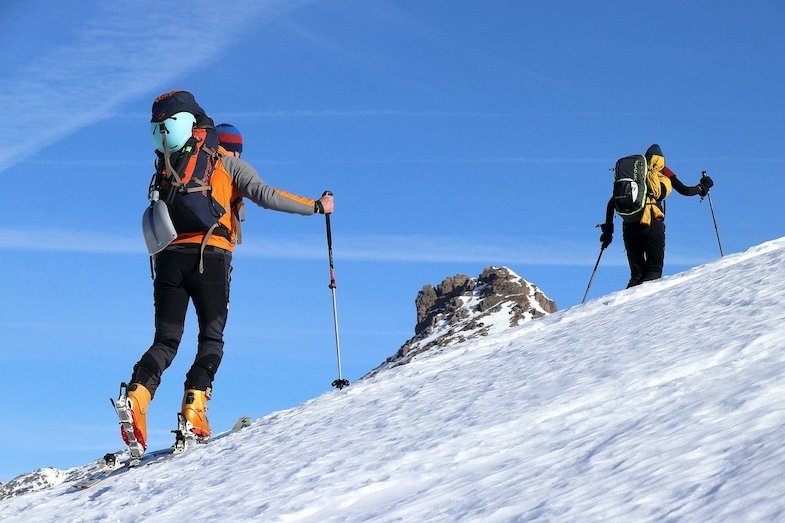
(48, 477)
(462, 308)
(431, 303)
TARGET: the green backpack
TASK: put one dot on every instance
(630, 188)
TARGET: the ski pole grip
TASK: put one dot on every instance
(329, 235)
(327, 193)
(329, 231)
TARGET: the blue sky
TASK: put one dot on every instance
(454, 134)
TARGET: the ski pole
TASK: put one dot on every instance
(714, 218)
(586, 294)
(340, 382)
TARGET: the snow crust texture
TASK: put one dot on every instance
(662, 402)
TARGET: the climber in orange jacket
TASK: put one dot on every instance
(203, 184)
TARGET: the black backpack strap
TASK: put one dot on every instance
(201, 184)
(212, 153)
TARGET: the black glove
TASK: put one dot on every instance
(705, 184)
(607, 234)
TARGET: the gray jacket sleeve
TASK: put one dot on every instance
(250, 185)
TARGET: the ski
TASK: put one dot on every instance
(113, 465)
(242, 422)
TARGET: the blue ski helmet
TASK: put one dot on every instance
(177, 128)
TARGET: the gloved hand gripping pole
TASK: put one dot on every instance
(340, 382)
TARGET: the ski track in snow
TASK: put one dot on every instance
(663, 402)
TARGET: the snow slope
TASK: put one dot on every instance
(660, 402)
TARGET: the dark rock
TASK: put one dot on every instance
(433, 304)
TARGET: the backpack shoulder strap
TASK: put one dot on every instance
(204, 244)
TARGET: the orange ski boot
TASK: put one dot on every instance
(131, 409)
(195, 413)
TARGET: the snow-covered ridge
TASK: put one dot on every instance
(460, 308)
(662, 402)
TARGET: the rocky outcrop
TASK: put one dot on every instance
(48, 477)
(432, 303)
(32, 482)
(461, 308)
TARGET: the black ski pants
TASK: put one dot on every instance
(645, 251)
(177, 280)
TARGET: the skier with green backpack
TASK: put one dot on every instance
(641, 184)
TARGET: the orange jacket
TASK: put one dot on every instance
(232, 180)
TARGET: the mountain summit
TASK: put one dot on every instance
(462, 308)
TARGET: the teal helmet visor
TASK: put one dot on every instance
(175, 131)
